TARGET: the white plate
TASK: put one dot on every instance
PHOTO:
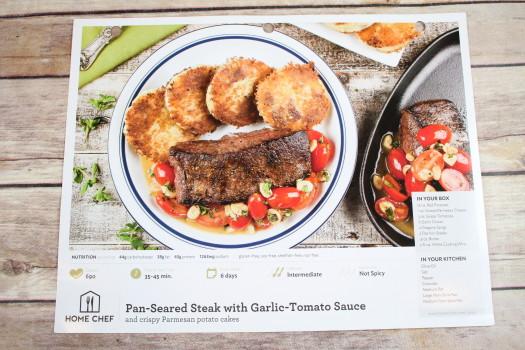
(213, 46)
(351, 42)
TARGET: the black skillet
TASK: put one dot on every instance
(435, 74)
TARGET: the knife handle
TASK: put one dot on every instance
(90, 53)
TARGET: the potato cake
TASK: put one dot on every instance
(293, 98)
(389, 37)
(186, 100)
(230, 96)
(347, 27)
(149, 129)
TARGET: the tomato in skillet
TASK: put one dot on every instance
(412, 184)
(284, 198)
(170, 206)
(216, 217)
(423, 165)
(307, 198)
(393, 189)
(463, 163)
(434, 133)
(453, 180)
(256, 206)
(395, 161)
(323, 152)
(391, 210)
(240, 222)
(164, 173)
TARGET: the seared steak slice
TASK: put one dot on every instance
(230, 169)
(426, 113)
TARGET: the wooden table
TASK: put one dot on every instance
(34, 68)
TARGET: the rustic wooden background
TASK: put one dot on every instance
(34, 68)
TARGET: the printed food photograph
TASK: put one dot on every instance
(264, 135)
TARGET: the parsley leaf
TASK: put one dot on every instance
(87, 185)
(101, 195)
(132, 227)
(90, 124)
(132, 233)
(78, 174)
(95, 170)
(390, 214)
(104, 102)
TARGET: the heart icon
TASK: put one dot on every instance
(76, 273)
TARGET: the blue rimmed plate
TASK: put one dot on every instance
(213, 46)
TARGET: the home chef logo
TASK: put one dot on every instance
(90, 302)
(89, 310)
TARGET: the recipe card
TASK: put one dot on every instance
(278, 173)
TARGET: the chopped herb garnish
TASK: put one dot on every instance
(395, 144)
(389, 214)
(287, 213)
(79, 173)
(87, 185)
(101, 195)
(204, 210)
(95, 170)
(90, 124)
(132, 233)
(104, 102)
(324, 176)
(87, 180)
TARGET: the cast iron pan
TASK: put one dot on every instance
(435, 74)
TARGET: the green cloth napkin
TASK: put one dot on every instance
(132, 41)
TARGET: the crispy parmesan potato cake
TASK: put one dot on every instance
(186, 100)
(149, 129)
(389, 37)
(230, 96)
(347, 27)
(293, 98)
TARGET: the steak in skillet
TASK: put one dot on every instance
(426, 113)
(230, 169)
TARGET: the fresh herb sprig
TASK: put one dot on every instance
(133, 234)
(101, 104)
(88, 179)
(101, 195)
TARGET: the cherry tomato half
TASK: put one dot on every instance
(412, 184)
(170, 206)
(453, 180)
(216, 217)
(463, 163)
(393, 189)
(314, 135)
(433, 133)
(239, 223)
(391, 210)
(164, 173)
(256, 206)
(307, 198)
(323, 153)
(284, 197)
(424, 163)
(395, 161)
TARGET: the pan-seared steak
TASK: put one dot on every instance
(230, 169)
(426, 113)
